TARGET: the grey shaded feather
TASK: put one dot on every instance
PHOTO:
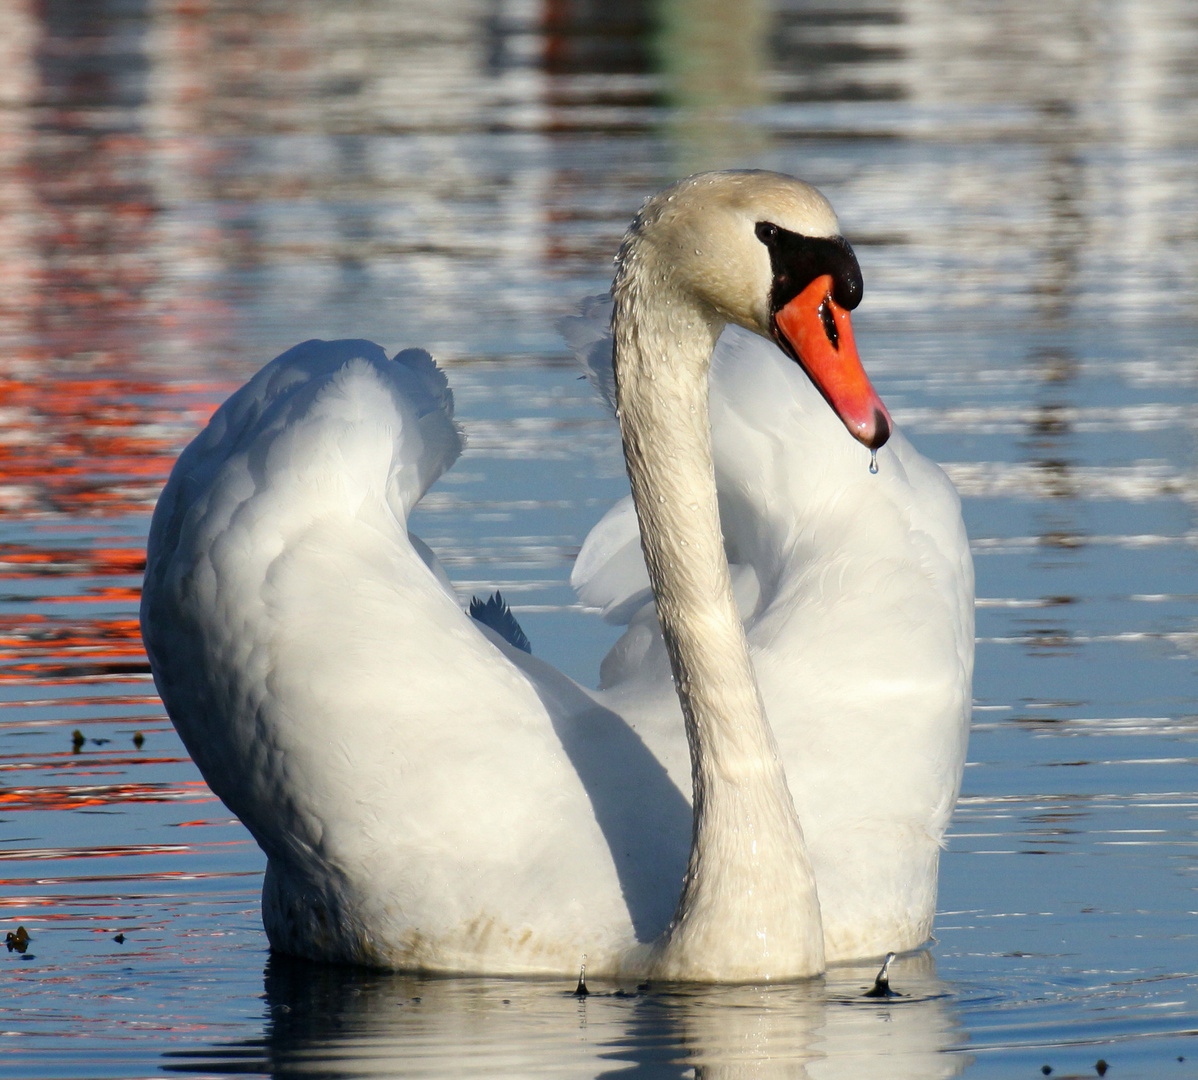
(589, 336)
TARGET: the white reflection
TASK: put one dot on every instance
(342, 1022)
(824, 1032)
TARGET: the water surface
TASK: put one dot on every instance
(188, 189)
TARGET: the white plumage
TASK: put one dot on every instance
(430, 798)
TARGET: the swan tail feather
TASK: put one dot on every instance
(496, 614)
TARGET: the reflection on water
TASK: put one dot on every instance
(335, 1021)
(187, 188)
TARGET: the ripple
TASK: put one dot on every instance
(190, 188)
(1135, 483)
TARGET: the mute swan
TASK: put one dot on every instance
(431, 798)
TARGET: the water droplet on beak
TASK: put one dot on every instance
(873, 462)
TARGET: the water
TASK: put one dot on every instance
(190, 188)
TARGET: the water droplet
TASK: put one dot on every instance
(873, 462)
(661, 498)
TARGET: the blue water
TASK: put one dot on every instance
(190, 189)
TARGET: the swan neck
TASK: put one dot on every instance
(663, 410)
(748, 908)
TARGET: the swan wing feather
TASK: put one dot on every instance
(411, 785)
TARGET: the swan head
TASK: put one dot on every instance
(764, 250)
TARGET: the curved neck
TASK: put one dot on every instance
(748, 908)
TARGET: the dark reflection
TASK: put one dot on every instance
(1067, 227)
(92, 54)
(838, 52)
(91, 248)
(339, 1022)
(1050, 439)
(1050, 420)
(1060, 538)
(714, 58)
(598, 37)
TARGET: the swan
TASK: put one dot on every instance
(761, 786)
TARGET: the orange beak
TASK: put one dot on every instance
(816, 331)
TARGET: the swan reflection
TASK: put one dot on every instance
(342, 1022)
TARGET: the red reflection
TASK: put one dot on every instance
(91, 446)
(68, 797)
(114, 852)
(19, 561)
(33, 646)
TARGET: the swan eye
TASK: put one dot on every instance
(798, 260)
(767, 232)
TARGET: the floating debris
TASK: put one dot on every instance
(1100, 1066)
(138, 740)
(17, 942)
(119, 939)
(77, 741)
